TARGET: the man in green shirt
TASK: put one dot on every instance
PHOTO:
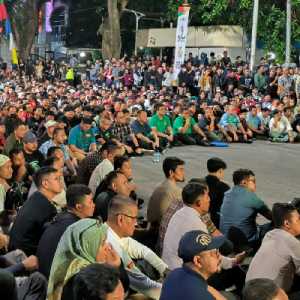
(161, 125)
(187, 131)
(260, 80)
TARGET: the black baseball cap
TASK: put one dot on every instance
(197, 241)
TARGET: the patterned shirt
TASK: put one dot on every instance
(87, 166)
(121, 132)
(172, 209)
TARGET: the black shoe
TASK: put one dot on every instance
(205, 143)
(177, 144)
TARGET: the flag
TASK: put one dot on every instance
(181, 37)
(3, 11)
(7, 27)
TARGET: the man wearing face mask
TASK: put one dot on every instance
(201, 259)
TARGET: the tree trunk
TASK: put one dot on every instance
(24, 21)
(111, 31)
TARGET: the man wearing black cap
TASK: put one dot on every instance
(201, 259)
(32, 156)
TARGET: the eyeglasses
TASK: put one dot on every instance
(131, 217)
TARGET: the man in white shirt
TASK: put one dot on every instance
(196, 201)
(282, 249)
(105, 167)
(122, 217)
(280, 128)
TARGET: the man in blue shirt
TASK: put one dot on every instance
(146, 136)
(201, 259)
(82, 139)
(255, 124)
(241, 206)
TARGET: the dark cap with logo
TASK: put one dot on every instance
(197, 241)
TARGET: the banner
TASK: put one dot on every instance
(181, 36)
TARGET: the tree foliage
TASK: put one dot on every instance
(271, 24)
(24, 21)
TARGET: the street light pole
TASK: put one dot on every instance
(138, 16)
(254, 34)
(288, 31)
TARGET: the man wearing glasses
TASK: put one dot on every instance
(121, 222)
(241, 206)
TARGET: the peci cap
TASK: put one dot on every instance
(3, 159)
(197, 241)
(29, 137)
(50, 123)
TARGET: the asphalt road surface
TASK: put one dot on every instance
(276, 166)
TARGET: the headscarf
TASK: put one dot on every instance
(78, 248)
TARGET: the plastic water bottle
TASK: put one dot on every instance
(156, 157)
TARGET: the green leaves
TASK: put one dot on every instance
(271, 24)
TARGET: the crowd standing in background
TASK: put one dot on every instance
(70, 217)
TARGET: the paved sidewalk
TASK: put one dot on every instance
(277, 167)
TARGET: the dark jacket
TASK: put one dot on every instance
(29, 224)
(217, 189)
(53, 232)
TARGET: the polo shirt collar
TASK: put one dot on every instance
(193, 273)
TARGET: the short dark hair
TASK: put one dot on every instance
(52, 150)
(158, 105)
(281, 212)
(199, 181)
(140, 111)
(111, 147)
(86, 120)
(119, 161)
(95, 281)
(240, 175)
(106, 183)
(18, 123)
(49, 162)
(260, 288)
(14, 151)
(40, 175)
(76, 193)
(192, 191)
(170, 164)
(214, 164)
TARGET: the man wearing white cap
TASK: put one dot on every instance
(48, 134)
